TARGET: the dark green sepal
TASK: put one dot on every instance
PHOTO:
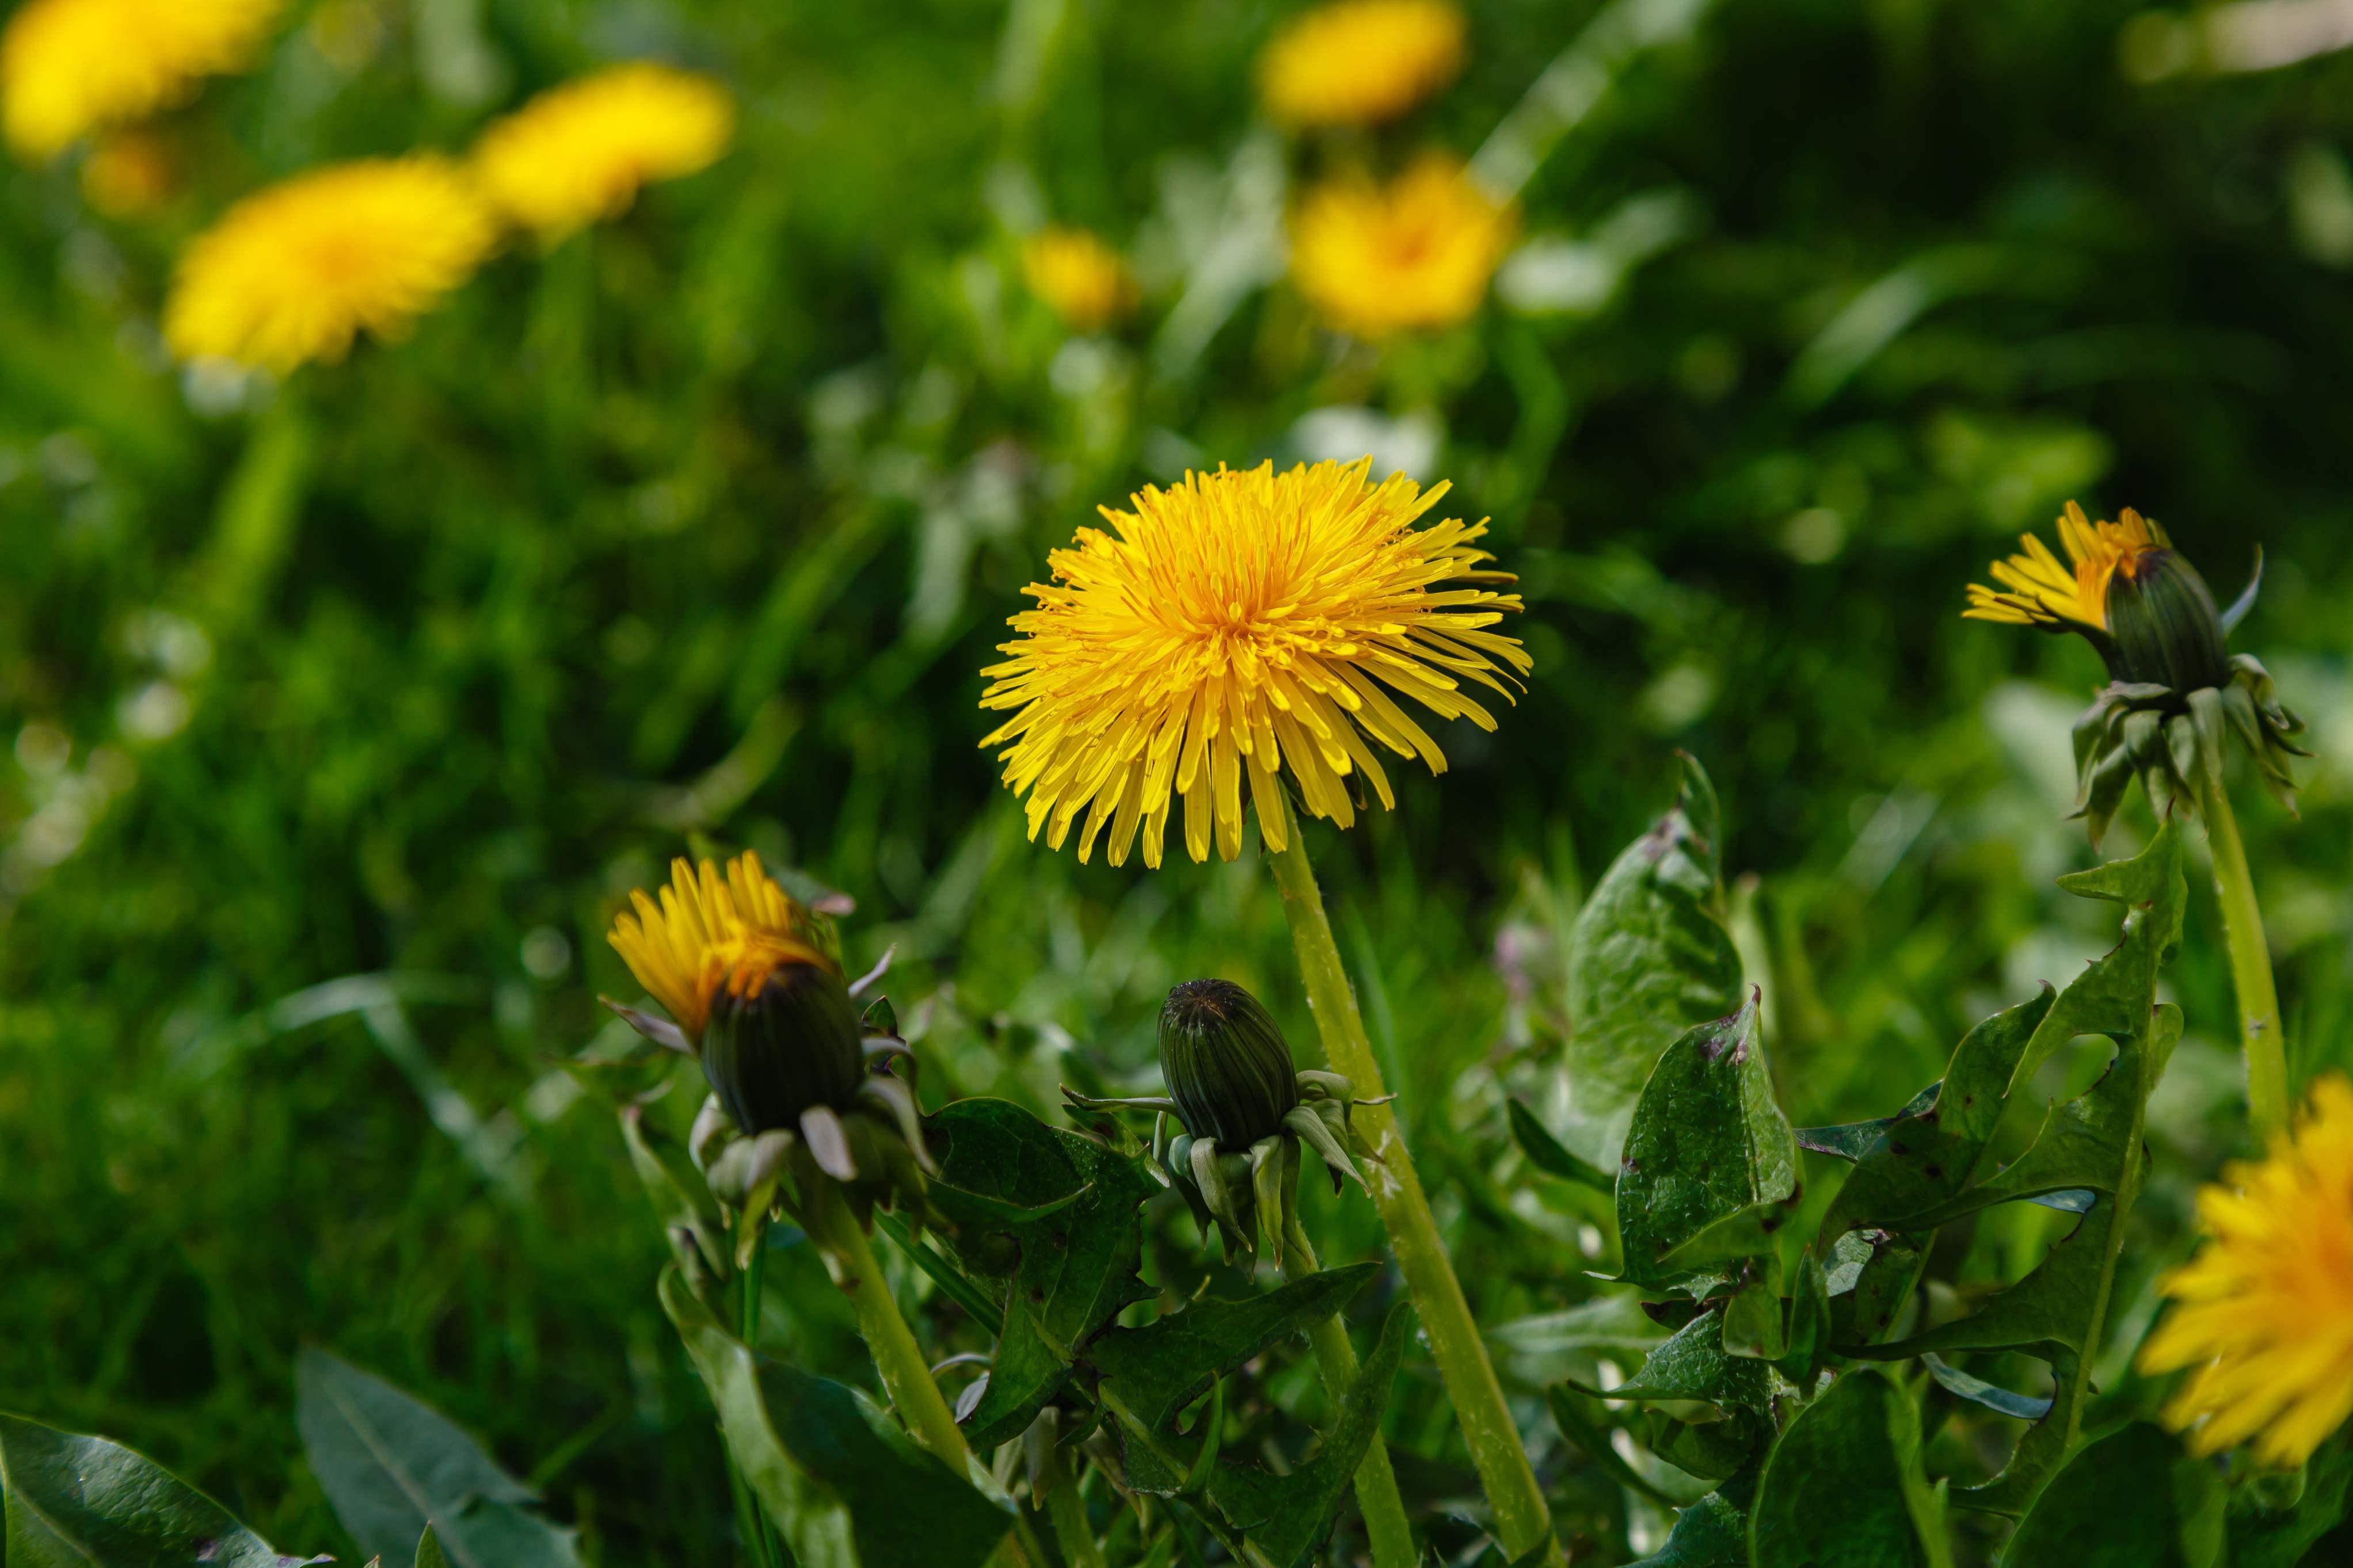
(789, 1045)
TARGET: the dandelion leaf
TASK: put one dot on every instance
(1710, 1166)
(1162, 1367)
(2174, 1520)
(1844, 1487)
(1649, 957)
(1048, 1218)
(844, 1484)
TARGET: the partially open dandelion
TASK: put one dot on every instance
(705, 933)
(1235, 623)
(1086, 281)
(1414, 254)
(72, 67)
(581, 152)
(293, 274)
(1360, 62)
(2264, 1314)
(2175, 697)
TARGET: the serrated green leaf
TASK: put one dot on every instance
(1549, 1154)
(1053, 1215)
(2175, 1517)
(391, 1464)
(1649, 957)
(71, 1502)
(1286, 1517)
(1843, 1488)
(1710, 1165)
(843, 1484)
(1692, 1367)
(1711, 1534)
(2091, 1144)
(1162, 1367)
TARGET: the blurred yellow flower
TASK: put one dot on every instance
(1415, 254)
(2264, 1312)
(1239, 621)
(1086, 281)
(709, 931)
(129, 173)
(1360, 62)
(580, 152)
(290, 275)
(2038, 591)
(72, 67)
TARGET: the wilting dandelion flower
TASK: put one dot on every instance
(72, 67)
(129, 173)
(1086, 281)
(1239, 622)
(1416, 254)
(1360, 62)
(2264, 1312)
(2125, 589)
(580, 152)
(291, 274)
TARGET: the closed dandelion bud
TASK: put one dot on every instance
(2166, 629)
(1225, 1064)
(789, 1041)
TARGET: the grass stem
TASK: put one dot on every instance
(1377, 1488)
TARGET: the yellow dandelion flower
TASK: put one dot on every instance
(1086, 281)
(290, 275)
(1360, 62)
(129, 174)
(1239, 622)
(2264, 1312)
(580, 152)
(2037, 590)
(72, 67)
(709, 931)
(1414, 254)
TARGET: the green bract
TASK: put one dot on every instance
(790, 1043)
(1225, 1064)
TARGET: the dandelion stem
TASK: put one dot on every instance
(1377, 1488)
(1522, 1520)
(905, 1374)
(755, 1517)
(2251, 959)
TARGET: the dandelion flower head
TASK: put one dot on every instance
(708, 931)
(1086, 281)
(72, 67)
(581, 152)
(1360, 62)
(2037, 590)
(1416, 254)
(2264, 1314)
(1237, 623)
(291, 274)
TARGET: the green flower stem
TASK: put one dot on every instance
(2251, 959)
(754, 1519)
(1068, 1510)
(1522, 1520)
(905, 1373)
(1377, 1488)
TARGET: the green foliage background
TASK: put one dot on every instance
(696, 531)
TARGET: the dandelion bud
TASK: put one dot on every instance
(1225, 1064)
(780, 1043)
(2166, 629)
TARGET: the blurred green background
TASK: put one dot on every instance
(342, 712)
